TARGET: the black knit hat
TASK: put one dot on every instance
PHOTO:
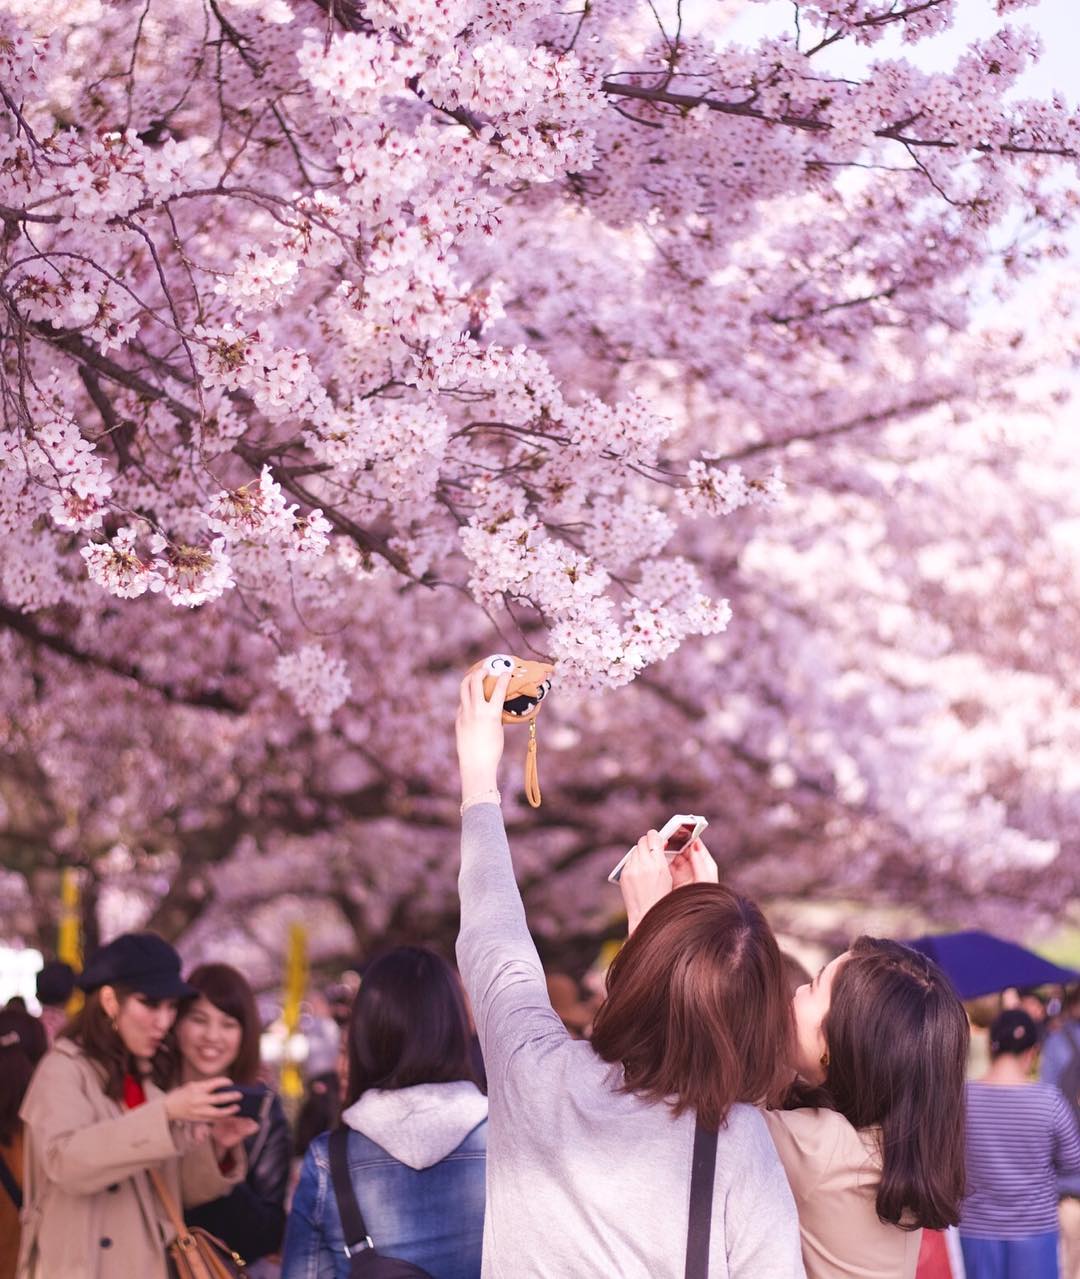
(143, 962)
(1012, 1031)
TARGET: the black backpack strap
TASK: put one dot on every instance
(7, 1180)
(702, 1176)
(352, 1219)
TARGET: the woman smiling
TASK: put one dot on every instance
(217, 1033)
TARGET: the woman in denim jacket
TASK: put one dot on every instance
(418, 1131)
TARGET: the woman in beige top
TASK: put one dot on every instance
(872, 1135)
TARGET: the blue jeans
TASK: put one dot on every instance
(1035, 1257)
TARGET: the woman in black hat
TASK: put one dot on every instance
(96, 1118)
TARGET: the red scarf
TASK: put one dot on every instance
(134, 1092)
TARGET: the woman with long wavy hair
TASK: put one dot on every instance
(97, 1117)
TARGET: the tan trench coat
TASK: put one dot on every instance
(89, 1210)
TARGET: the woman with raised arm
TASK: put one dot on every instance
(871, 1131)
(96, 1120)
(596, 1149)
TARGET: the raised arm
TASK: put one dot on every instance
(496, 954)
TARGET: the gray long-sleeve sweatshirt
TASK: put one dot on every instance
(585, 1181)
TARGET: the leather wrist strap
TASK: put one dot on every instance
(532, 772)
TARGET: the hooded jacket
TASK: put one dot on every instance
(416, 1161)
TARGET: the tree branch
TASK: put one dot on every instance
(892, 132)
(841, 428)
(24, 625)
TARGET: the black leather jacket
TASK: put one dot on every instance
(251, 1220)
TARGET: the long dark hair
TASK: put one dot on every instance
(22, 1045)
(408, 1024)
(230, 993)
(319, 1111)
(897, 1041)
(698, 1012)
(92, 1029)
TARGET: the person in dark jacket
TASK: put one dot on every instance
(22, 1045)
(217, 1033)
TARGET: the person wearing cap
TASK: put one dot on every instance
(55, 986)
(96, 1117)
(1021, 1137)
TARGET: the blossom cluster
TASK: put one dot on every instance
(318, 683)
(58, 457)
(186, 574)
(258, 512)
(717, 490)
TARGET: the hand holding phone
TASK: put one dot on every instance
(251, 1099)
(677, 833)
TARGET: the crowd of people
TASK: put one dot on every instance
(719, 1118)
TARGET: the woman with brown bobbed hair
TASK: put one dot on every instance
(99, 1113)
(217, 1032)
(871, 1130)
(594, 1146)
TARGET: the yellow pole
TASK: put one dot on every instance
(296, 976)
(69, 932)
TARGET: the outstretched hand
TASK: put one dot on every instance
(480, 733)
(231, 1131)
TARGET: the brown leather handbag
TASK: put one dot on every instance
(194, 1253)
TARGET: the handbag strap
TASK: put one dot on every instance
(352, 1219)
(7, 1180)
(702, 1176)
(176, 1217)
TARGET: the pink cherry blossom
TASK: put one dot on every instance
(730, 375)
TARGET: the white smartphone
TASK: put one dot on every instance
(676, 832)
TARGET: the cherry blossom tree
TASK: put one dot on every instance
(341, 343)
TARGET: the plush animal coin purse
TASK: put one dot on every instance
(529, 685)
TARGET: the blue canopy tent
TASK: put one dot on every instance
(978, 963)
